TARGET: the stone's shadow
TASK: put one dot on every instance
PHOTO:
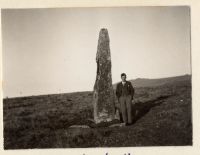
(139, 109)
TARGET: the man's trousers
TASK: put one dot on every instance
(126, 108)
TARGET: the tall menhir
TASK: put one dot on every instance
(103, 95)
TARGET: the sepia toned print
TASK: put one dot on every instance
(96, 77)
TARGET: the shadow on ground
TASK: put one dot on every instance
(139, 109)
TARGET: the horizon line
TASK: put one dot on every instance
(7, 97)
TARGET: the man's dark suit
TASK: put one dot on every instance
(125, 94)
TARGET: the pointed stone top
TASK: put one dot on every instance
(104, 30)
(103, 35)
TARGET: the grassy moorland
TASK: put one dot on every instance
(162, 117)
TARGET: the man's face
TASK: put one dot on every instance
(123, 78)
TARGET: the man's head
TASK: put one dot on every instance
(123, 77)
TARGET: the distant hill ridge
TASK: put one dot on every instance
(139, 82)
(144, 82)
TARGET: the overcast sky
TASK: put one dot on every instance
(48, 51)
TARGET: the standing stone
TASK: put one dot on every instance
(103, 95)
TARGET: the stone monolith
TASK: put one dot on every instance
(103, 94)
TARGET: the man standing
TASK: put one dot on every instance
(124, 93)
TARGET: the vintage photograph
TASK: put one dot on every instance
(96, 77)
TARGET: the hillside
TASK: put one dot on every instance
(143, 82)
(162, 117)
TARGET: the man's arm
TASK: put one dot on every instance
(132, 91)
(117, 91)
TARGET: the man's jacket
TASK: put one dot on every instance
(125, 90)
